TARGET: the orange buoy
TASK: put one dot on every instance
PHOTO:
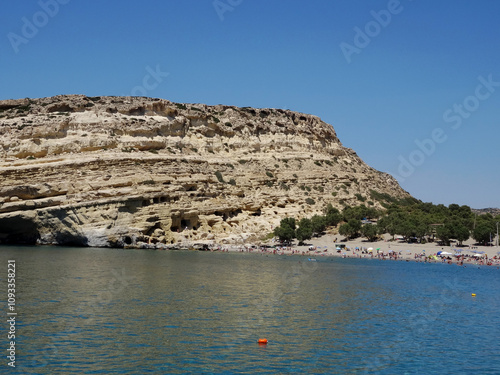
(262, 341)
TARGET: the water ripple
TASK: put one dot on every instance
(129, 312)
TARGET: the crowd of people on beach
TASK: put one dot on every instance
(364, 252)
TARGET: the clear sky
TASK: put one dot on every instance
(412, 86)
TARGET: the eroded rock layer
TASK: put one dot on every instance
(117, 171)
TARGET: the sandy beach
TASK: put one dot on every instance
(387, 249)
(400, 250)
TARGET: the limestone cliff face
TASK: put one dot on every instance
(115, 171)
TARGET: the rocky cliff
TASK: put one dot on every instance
(116, 171)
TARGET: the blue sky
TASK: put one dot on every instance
(412, 86)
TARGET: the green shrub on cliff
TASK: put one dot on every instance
(310, 201)
(219, 176)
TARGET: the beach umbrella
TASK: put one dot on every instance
(439, 252)
(477, 255)
(370, 249)
(378, 248)
(444, 253)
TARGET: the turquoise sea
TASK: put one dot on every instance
(111, 311)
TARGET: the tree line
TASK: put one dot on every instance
(414, 220)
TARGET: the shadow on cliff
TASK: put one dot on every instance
(24, 230)
(70, 239)
(64, 227)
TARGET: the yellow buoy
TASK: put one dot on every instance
(473, 294)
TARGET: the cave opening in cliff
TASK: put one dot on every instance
(139, 111)
(257, 213)
(68, 238)
(18, 230)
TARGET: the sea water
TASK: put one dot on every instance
(107, 311)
